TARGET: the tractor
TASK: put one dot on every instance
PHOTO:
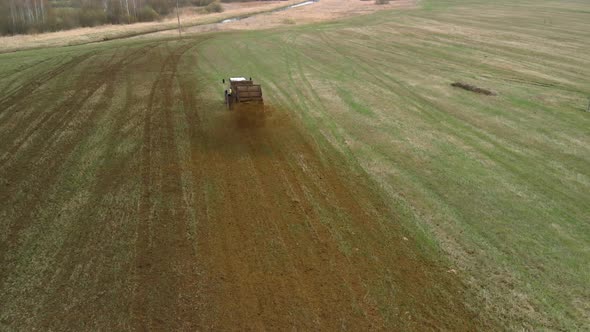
(242, 90)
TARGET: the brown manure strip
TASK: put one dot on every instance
(288, 237)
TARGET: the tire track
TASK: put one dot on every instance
(98, 300)
(60, 116)
(85, 88)
(22, 68)
(34, 171)
(165, 271)
(21, 95)
(10, 81)
(472, 134)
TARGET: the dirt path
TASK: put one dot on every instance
(157, 209)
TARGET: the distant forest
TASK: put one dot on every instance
(35, 16)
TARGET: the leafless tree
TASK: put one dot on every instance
(13, 14)
(127, 7)
(178, 17)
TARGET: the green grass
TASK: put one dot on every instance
(498, 186)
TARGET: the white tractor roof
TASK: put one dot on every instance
(237, 79)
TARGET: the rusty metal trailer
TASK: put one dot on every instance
(242, 90)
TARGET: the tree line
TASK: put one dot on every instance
(35, 16)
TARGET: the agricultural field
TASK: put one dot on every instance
(369, 195)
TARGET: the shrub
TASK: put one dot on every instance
(201, 3)
(66, 18)
(91, 17)
(381, 2)
(147, 14)
(214, 7)
(163, 7)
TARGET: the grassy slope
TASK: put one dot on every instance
(500, 184)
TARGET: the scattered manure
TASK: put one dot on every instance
(473, 88)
